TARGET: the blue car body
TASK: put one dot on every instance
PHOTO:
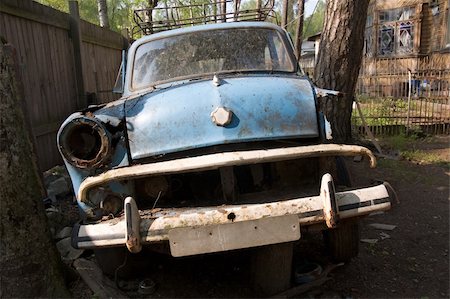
(209, 160)
(178, 118)
(175, 116)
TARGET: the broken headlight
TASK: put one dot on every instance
(84, 142)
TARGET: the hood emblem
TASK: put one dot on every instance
(221, 116)
(216, 81)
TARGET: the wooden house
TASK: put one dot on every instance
(310, 52)
(403, 38)
(406, 43)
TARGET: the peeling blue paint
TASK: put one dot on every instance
(178, 118)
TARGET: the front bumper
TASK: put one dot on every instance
(135, 227)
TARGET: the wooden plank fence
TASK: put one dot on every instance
(55, 82)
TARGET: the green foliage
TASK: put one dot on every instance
(249, 4)
(384, 111)
(185, 12)
(399, 142)
(409, 147)
(120, 12)
(423, 157)
(292, 15)
(314, 23)
(61, 5)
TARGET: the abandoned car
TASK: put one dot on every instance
(216, 144)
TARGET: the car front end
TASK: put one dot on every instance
(216, 144)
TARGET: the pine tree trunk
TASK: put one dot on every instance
(299, 29)
(223, 10)
(29, 263)
(103, 13)
(284, 14)
(339, 61)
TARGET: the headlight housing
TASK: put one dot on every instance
(84, 142)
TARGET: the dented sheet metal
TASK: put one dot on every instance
(263, 107)
(215, 161)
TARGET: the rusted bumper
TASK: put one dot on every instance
(149, 226)
(218, 160)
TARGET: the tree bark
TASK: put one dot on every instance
(339, 61)
(151, 4)
(223, 10)
(258, 7)
(103, 13)
(299, 29)
(29, 262)
(284, 14)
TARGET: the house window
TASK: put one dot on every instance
(368, 37)
(386, 40)
(396, 31)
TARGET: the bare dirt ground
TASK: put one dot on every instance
(411, 261)
(414, 261)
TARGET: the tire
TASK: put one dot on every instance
(271, 268)
(118, 261)
(115, 259)
(342, 242)
(343, 176)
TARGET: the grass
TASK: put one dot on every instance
(399, 170)
(399, 142)
(423, 156)
(396, 169)
(393, 111)
(408, 147)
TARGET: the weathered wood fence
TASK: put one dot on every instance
(66, 64)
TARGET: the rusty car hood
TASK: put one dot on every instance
(179, 117)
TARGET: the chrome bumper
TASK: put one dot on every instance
(135, 227)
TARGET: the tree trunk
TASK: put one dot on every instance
(103, 13)
(29, 263)
(151, 4)
(339, 61)
(258, 7)
(299, 29)
(284, 14)
(223, 10)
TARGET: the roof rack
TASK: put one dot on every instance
(152, 20)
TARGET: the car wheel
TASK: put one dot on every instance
(271, 268)
(342, 176)
(342, 242)
(114, 261)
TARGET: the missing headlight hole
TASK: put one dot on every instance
(84, 142)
